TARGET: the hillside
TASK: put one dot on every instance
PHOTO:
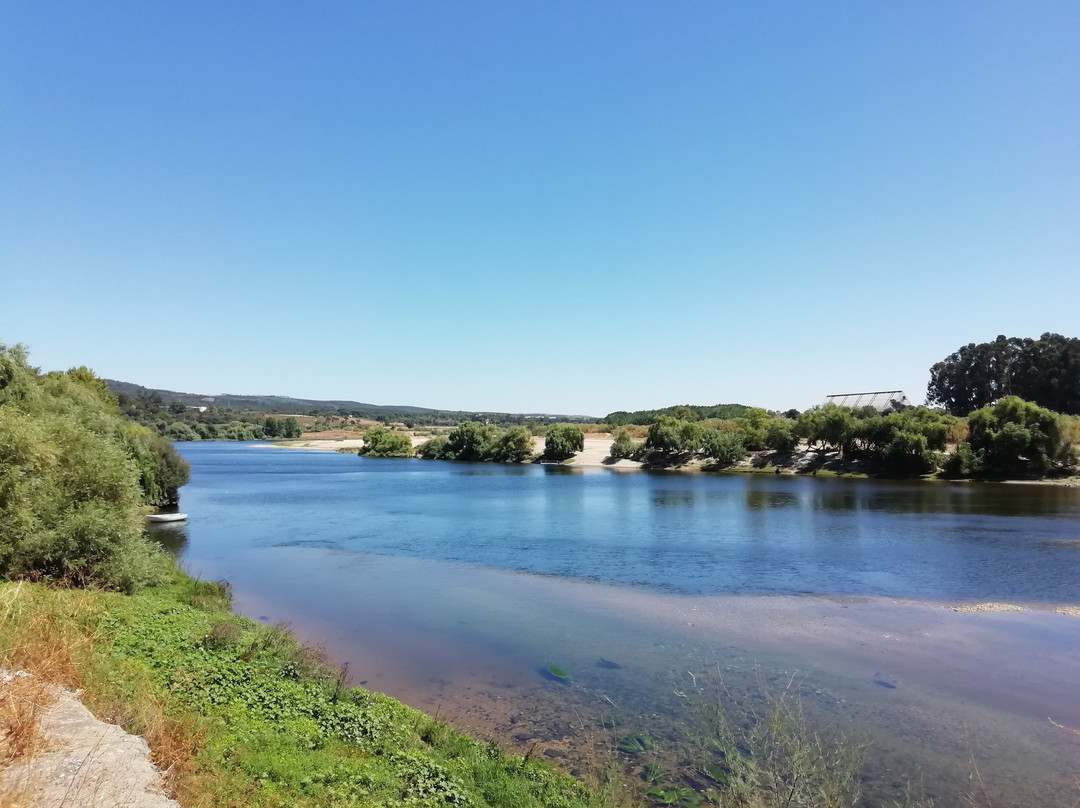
(304, 406)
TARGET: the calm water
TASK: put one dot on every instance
(452, 587)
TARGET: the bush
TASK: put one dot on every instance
(780, 435)
(725, 448)
(670, 436)
(469, 441)
(434, 448)
(381, 442)
(563, 441)
(513, 445)
(623, 445)
(73, 478)
(1016, 437)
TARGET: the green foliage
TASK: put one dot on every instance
(281, 428)
(277, 727)
(513, 445)
(434, 448)
(469, 441)
(780, 435)
(754, 427)
(724, 448)
(774, 760)
(669, 437)
(635, 742)
(1015, 437)
(1045, 371)
(73, 478)
(684, 412)
(473, 441)
(563, 441)
(623, 445)
(381, 442)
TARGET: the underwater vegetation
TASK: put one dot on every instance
(556, 674)
(635, 742)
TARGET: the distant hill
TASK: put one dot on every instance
(306, 406)
(693, 412)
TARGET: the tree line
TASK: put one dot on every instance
(1044, 371)
(176, 421)
(75, 479)
(477, 442)
(1011, 438)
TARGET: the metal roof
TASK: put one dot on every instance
(880, 400)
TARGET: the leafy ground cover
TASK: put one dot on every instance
(241, 714)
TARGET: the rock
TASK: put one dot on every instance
(88, 763)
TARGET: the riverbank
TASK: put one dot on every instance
(241, 714)
(595, 453)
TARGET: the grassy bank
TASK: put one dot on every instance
(241, 714)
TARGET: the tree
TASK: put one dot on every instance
(469, 441)
(725, 448)
(563, 441)
(1045, 371)
(290, 428)
(513, 445)
(433, 448)
(1015, 436)
(754, 428)
(623, 445)
(780, 435)
(73, 478)
(381, 442)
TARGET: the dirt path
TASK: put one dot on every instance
(82, 762)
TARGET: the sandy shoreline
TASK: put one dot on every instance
(593, 455)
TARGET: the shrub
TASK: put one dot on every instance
(513, 445)
(780, 435)
(73, 478)
(725, 448)
(469, 441)
(433, 448)
(563, 441)
(1014, 436)
(623, 445)
(381, 442)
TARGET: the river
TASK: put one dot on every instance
(458, 588)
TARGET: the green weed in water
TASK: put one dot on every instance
(557, 674)
(636, 742)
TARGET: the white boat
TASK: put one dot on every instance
(166, 517)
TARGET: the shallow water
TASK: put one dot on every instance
(453, 586)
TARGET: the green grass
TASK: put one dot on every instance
(264, 721)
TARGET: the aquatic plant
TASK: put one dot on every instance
(557, 674)
(775, 759)
(651, 773)
(636, 742)
(675, 796)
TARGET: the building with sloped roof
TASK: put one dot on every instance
(881, 400)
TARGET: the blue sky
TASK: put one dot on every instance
(541, 206)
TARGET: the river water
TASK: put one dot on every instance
(455, 587)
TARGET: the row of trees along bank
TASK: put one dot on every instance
(75, 480)
(1012, 438)
(177, 421)
(473, 441)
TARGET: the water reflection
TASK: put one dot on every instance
(357, 552)
(171, 536)
(757, 499)
(694, 534)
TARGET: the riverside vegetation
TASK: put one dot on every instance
(240, 714)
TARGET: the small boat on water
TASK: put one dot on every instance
(166, 517)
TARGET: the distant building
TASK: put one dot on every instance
(880, 401)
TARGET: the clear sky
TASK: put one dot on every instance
(555, 206)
